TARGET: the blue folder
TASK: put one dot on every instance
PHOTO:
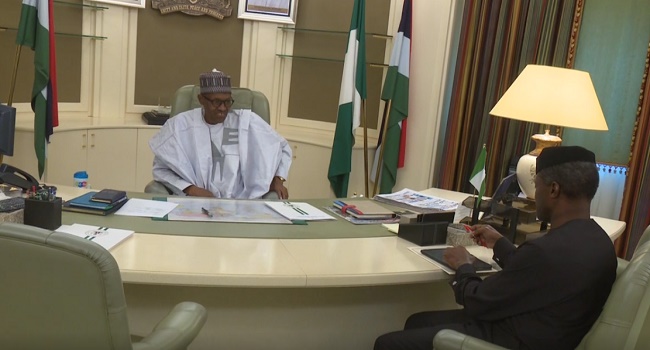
(84, 201)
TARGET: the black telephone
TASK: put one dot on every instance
(13, 176)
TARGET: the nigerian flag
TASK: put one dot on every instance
(36, 30)
(396, 88)
(477, 179)
(353, 91)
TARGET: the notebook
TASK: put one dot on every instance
(85, 201)
(108, 196)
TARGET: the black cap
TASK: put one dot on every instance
(551, 156)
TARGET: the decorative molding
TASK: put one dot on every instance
(130, 3)
(218, 9)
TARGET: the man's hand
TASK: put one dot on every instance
(457, 256)
(277, 186)
(485, 235)
(196, 191)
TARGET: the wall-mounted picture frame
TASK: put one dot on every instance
(279, 11)
(131, 3)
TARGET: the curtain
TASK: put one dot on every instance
(608, 198)
(498, 39)
(635, 210)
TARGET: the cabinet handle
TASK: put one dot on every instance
(84, 140)
(92, 140)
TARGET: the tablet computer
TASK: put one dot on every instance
(436, 254)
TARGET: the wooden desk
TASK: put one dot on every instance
(284, 293)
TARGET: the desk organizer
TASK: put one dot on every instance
(43, 213)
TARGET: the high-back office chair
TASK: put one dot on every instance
(186, 98)
(63, 292)
(624, 322)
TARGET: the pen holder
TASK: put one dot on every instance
(43, 213)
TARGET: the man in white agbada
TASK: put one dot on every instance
(213, 151)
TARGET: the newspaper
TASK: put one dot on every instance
(417, 201)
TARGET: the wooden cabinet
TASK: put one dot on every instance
(108, 155)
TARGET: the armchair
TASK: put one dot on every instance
(624, 322)
(63, 292)
(185, 99)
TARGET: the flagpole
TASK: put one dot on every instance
(365, 144)
(384, 123)
(13, 76)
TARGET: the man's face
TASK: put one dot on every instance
(216, 106)
(542, 199)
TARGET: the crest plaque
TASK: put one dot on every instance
(218, 9)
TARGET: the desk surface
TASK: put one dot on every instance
(254, 262)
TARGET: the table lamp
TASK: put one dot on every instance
(551, 96)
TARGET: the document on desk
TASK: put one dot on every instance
(146, 208)
(224, 210)
(104, 236)
(299, 211)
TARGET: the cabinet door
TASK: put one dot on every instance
(111, 158)
(66, 154)
(144, 159)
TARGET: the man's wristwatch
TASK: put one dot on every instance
(281, 178)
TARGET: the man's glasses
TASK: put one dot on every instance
(217, 102)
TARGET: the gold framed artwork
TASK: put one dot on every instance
(131, 3)
(279, 11)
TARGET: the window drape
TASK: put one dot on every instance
(498, 39)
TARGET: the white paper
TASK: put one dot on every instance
(299, 211)
(104, 236)
(146, 208)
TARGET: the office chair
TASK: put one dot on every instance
(185, 99)
(63, 292)
(624, 322)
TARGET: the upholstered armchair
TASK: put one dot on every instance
(64, 292)
(623, 324)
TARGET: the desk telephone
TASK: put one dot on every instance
(13, 176)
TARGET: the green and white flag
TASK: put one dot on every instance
(36, 31)
(353, 91)
(477, 179)
(396, 89)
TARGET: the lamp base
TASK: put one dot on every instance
(527, 165)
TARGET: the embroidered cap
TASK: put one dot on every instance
(214, 82)
(551, 156)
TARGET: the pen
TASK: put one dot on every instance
(206, 212)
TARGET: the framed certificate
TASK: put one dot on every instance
(280, 11)
(132, 3)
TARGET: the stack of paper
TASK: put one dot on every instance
(104, 236)
(417, 201)
(364, 209)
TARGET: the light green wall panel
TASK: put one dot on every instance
(612, 48)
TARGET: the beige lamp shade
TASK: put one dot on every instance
(554, 96)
